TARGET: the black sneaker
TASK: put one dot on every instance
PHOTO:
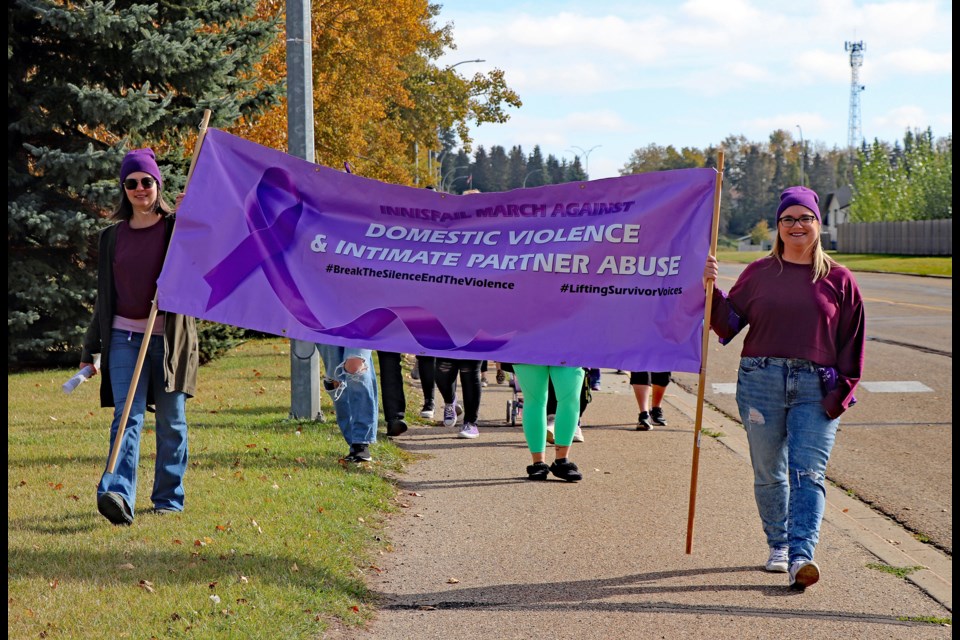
(538, 471)
(643, 421)
(114, 508)
(359, 453)
(396, 427)
(656, 414)
(566, 470)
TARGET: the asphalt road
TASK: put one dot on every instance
(894, 448)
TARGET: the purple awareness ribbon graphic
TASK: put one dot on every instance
(264, 249)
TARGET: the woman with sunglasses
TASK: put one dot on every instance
(802, 358)
(131, 254)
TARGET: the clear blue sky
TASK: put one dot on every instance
(620, 75)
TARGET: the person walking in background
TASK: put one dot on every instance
(801, 361)
(352, 384)
(391, 391)
(469, 372)
(131, 254)
(642, 381)
(567, 381)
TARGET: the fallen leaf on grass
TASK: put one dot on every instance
(294, 568)
(414, 493)
(215, 598)
(244, 579)
(146, 585)
(126, 566)
(54, 584)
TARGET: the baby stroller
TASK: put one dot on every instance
(515, 404)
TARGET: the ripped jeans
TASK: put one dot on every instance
(790, 438)
(355, 398)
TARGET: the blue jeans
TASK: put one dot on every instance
(790, 439)
(355, 397)
(171, 427)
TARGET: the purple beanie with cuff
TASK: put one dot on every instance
(140, 160)
(802, 196)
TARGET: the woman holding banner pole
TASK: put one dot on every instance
(131, 255)
(802, 358)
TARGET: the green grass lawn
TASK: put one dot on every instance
(275, 541)
(913, 265)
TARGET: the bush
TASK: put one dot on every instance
(216, 339)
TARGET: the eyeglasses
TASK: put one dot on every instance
(788, 221)
(131, 183)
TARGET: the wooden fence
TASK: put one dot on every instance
(912, 237)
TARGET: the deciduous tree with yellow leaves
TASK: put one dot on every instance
(379, 96)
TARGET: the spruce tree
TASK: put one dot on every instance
(87, 81)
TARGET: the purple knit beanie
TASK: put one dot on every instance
(140, 160)
(802, 196)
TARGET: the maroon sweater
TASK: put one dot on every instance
(136, 267)
(792, 317)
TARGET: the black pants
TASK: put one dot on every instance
(469, 371)
(427, 368)
(391, 386)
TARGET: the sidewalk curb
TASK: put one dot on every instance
(878, 534)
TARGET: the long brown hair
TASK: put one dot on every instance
(124, 210)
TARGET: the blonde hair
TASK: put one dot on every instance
(821, 264)
(469, 191)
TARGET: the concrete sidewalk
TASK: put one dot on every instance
(480, 552)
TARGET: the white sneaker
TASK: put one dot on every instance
(449, 415)
(803, 573)
(578, 435)
(550, 424)
(469, 431)
(779, 560)
(427, 412)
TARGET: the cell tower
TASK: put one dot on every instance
(854, 132)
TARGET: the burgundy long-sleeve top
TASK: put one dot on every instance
(792, 317)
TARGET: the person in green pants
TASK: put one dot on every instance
(567, 382)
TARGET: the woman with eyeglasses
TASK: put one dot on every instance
(801, 360)
(131, 254)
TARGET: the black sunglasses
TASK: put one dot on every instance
(131, 183)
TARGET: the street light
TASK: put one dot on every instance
(528, 175)
(803, 149)
(586, 156)
(443, 181)
(439, 156)
(462, 62)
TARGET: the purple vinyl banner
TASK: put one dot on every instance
(605, 273)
